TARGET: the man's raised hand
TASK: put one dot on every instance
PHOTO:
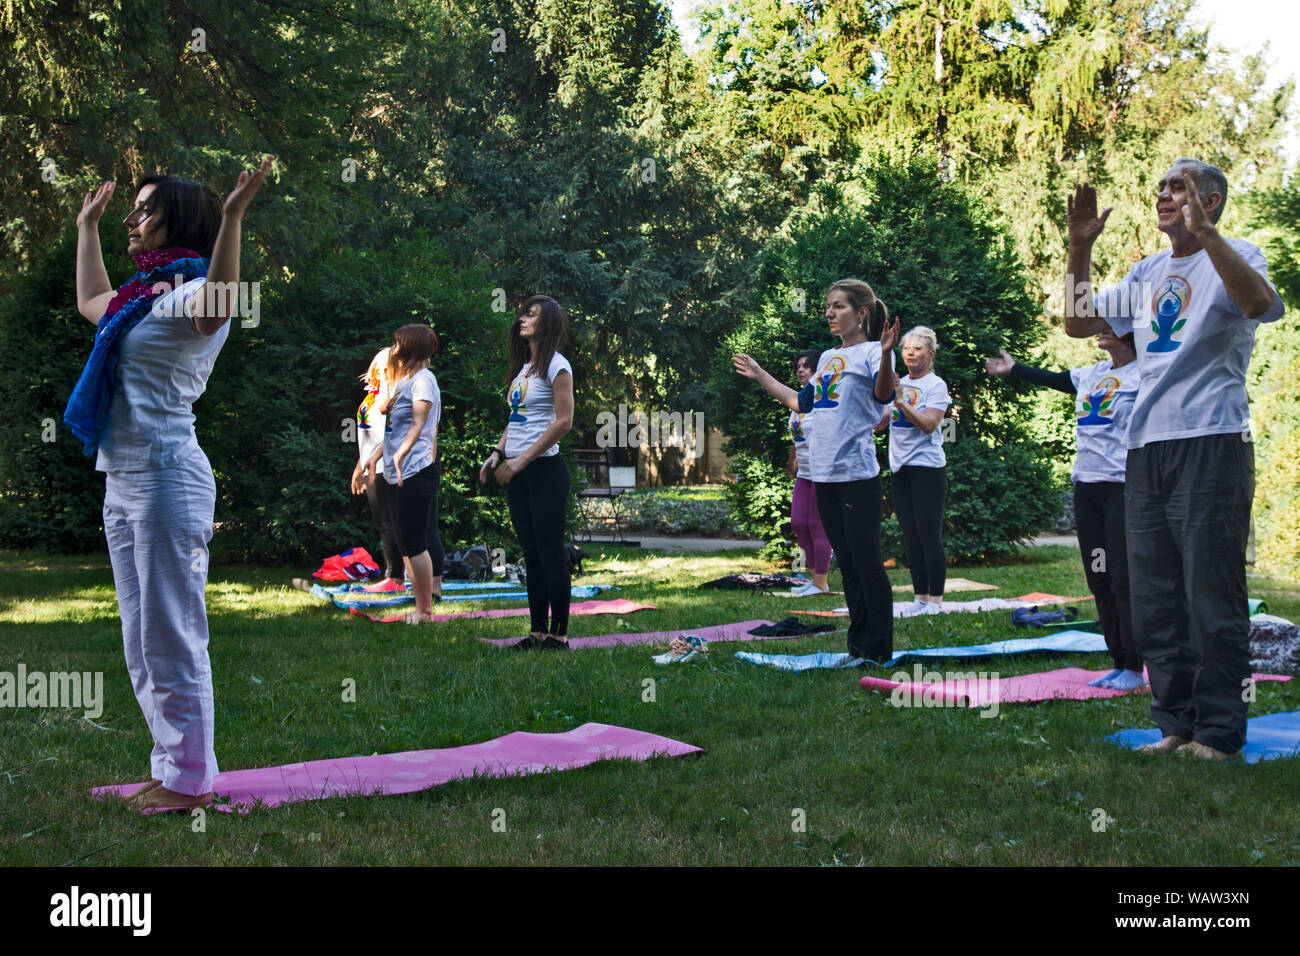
(1082, 221)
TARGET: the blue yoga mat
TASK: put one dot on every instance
(349, 598)
(1062, 642)
(1267, 738)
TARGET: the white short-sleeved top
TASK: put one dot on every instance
(1193, 344)
(532, 407)
(1103, 409)
(845, 411)
(420, 387)
(162, 370)
(370, 416)
(909, 445)
(800, 426)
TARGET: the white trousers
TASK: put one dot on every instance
(158, 525)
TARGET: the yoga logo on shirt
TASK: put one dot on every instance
(517, 393)
(1170, 301)
(363, 410)
(828, 380)
(796, 428)
(1099, 404)
(910, 397)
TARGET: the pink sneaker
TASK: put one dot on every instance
(384, 587)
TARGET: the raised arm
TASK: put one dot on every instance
(886, 382)
(1084, 226)
(223, 273)
(784, 394)
(94, 291)
(1246, 287)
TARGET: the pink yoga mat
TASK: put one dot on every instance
(721, 632)
(1068, 683)
(616, 606)
(517, 754)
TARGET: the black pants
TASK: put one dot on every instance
(417, 515)
(538, 497)
(1099, 515)
(919, 497)
(380, 498)
(850, 513)
(1187, 517)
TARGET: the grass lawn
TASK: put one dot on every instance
(877, 785)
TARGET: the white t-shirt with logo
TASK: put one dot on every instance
(1103, 408)
(532, 407)
(370, 414)
(1193, 344)
(420, 387)
(800, 426)
(163, 368)
(909, 445)
(845, 410)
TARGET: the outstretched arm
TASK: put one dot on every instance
(784, 394)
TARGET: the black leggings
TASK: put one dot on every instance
(919, 496)
(380, 498)
(850, 513)
(417, 515)
(539, 496)
(1099, 517)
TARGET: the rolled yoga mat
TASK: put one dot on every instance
(517, 754)
(616, 606)
(1068, 683)
(718, 632)
(1267, 738)
(1062, 642)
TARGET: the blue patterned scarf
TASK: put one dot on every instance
(87, 411)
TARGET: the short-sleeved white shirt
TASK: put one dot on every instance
(370, 415)
(1193, 344)
(800, 426)
(532, 407)
(845, 411)
(909, 445)
(1103, 409)
(163, 368)
(420, 387)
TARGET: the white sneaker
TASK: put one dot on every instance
(916, 607)
(808, 590)
(930, 607)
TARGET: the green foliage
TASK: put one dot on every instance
(759, 498)
(693, 511)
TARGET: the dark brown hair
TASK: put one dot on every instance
(413, 346)
(189, 212)
(549, 340)
(807, 355)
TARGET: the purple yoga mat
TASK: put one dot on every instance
(517, 754)
(616, 606)
(720, 632)
(1068, 683)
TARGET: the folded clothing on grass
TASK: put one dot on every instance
(517, 754)
(752, 581)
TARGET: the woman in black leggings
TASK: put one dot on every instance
(1104, 394)
(527, 462)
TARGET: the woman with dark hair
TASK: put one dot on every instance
(158, 337)
(527, 462)
(410, 460)
(849, 395)
(804, 519)
(1104, 394)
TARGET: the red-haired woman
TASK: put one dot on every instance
(528, 462)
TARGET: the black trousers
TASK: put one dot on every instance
(538, 497)
(1099, 516)
(850, 513)
(380, 498)
(417, 515)
(919, 496)
(1187, 517)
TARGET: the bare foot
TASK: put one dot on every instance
(1164, 745)
(160, 798)
(133, 798)
(415, 617)
(1206, 752)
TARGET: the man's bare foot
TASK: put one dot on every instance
(160, 798)
(1206, 752)
(134, 796)
(415, 617)
(1164, 745)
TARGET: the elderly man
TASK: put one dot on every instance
(1190, 473)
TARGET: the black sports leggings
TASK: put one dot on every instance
(919, 496)
(538, 497)
(1099, 516)
(380, 497)
(417, 515)
(850, 513)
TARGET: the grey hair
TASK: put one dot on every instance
(1212, 181)
(925, 334)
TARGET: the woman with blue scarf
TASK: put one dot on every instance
(156, 341)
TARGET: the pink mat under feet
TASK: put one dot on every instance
(1068, 683)
(517, 754)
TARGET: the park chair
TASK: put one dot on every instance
(605, 482)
